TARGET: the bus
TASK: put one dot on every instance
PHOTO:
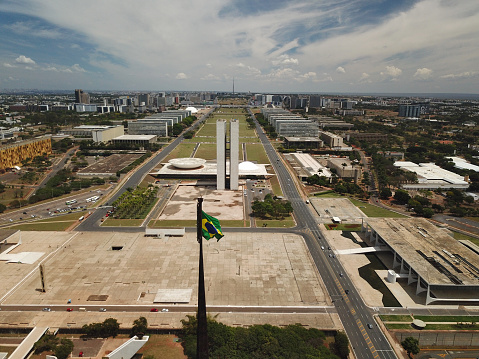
(71, 202)
(93, 199)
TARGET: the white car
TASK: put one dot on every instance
(164, 310)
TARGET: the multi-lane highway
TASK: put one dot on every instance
(367, 341)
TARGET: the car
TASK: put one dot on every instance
(329, 248)
(164, 310)
(370, 326)
(153, 310)
(69, 310)
(322, 247)
(340, 274)
(24, 212)
(46, 309)
(346, 291)
(102, 309)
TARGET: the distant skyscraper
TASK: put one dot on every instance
(81, 97)
(234, 154)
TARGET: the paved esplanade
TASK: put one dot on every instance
(354, 314)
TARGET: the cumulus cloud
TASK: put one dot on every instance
(181, 76)
(423, 74)
(8, 65)
(340, 70)
(22, 59)
(210, 77)
(392, 72)
(364, 77)
(284, 60)
(462, 75)
(77, 68)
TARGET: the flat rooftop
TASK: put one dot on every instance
(136, 137)
(210, 168)
(441, 253)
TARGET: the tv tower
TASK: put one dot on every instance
(233, 85)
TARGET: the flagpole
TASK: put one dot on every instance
(202, 332)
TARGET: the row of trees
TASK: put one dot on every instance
(263, 341)
(271, 208)
(135, 203)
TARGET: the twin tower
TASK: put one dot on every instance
(223, 153)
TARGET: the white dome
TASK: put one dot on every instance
(192, 109)
(248, 166)
(187, 163)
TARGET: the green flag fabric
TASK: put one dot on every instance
(211, 227)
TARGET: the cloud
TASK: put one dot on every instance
(392, 72)
(462, 75)
(423, 74)
(24, 60)
(340, 70)
(284, 60)
(8, 65)
(181, 76)
(364, 77)
(77, 68)
(210, 77)
(33, 29)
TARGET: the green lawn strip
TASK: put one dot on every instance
(182, 150)
(208, 129)
(328, 194)
(206, 151)
(162, 346)
(192, 223)
(275, 223)
(451, 327)
(275, 186)
(256, 152)
(398, 326)
(112, 222)
(461, 236)
(39, 226)
(396, 318)
(197, 139)
(166, 223)
(373, 211)
(448, 318)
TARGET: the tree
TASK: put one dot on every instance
(410, 345)
(2, 207)
(401, 196)
(140, 326)
(340, 346)
(385, 193)
(63, 350)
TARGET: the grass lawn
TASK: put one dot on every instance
(112, 222)
(396, 318)
(197, 139)
(208, 129)
(373, 211)
(328, 194)
(206, 151)
(475, 219)
(275, 186)
(163, 347)
(460, 236)
(255, 152)
(9, 350)
(448, 318)
(182, 150)
(276, 223)
(55, 223)
(192, 223)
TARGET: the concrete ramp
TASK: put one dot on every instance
(26, 345)
(362, 250)
(128, 349)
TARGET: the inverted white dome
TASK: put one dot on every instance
(248, 166)
(187, 163)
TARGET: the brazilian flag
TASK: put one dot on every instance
(211, 227)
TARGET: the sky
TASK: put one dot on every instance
(361, 46)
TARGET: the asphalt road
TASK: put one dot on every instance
(354, 314)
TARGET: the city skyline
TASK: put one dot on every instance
(408, 46)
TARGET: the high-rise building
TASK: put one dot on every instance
(81, 97)
(221, 155)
